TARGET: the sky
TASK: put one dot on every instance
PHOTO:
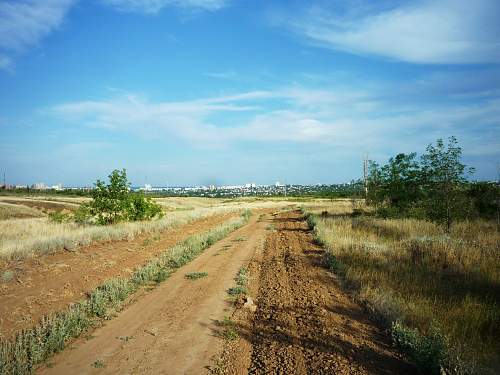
(189, 92)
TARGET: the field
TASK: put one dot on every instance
(246, 286)
(408, 271)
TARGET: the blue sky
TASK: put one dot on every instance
(184, 92)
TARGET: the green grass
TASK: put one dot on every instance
(241, 283)
(30, 347)
(229, 333)
(98, 364)
(195, 275)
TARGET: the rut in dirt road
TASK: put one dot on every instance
(304, 323)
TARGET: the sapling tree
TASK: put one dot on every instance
(114, 202)
(443, 177)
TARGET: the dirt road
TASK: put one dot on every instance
(170, 330)
(304, 322)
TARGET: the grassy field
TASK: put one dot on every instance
(15, 211)
(26, 231)
(443, 291)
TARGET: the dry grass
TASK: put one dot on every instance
(42, 205)
(30, 347)
(14, 211)
(409, 271)
(22, 238)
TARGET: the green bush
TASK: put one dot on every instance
(114, 202)
(428, 351)
(58, 217)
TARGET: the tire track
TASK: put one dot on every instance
(304, 323)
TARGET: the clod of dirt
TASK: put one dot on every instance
(249, 304)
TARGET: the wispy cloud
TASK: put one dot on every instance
(5, 62)
(24, 23)
(155, 6)
(336, 117)
(227, 75)
(427, 31)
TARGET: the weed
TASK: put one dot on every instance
(427, 351)
(6, 276)
(98, 364)
(59, 217)
(125, 338)
(236, 290)
(229, 332)
(195, 275)
(240, 239)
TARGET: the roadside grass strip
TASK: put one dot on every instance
(33, 346)
(430, 351)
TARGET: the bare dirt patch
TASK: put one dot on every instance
(304, 322)
(39, 286)
(42, 205)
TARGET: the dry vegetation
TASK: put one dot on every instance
(14, 211)
(33, 346)
(25, 237)
(447, 287)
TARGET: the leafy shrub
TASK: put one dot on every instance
(113, 202)
(82, 215)
(58, 217)
(428, 351)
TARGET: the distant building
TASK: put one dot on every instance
(39, 186)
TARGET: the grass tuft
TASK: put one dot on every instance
(195, 275)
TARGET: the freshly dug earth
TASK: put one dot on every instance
(49, 283)
(176, 327)
(304, 322)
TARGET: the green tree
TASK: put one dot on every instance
(444, 179)
(114, 202)
(395, 184)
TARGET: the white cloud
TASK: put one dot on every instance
(24, 23)
(429, 31)
(155, 6)
(346, 120)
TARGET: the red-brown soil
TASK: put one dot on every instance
(49, 283)
(304, 323)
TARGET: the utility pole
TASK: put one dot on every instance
(365, 174)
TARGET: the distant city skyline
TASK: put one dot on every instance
(232, 92)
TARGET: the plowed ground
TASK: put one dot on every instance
(304, 323)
